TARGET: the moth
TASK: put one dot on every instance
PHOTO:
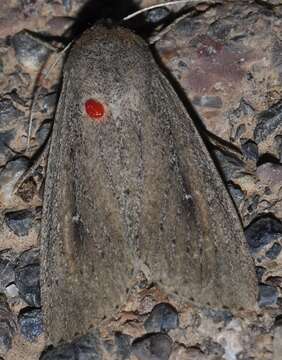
(131, 189)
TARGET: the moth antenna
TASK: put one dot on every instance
(59, 56)
(168, 3)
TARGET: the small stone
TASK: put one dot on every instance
(250, 150)
(9, 176)
(157, 15)
(62, 352)
(9, 115)
(31, 52)
(278, 146)
(259, 272)
(268, 122)
(43, 133)
(152, 347)
(11, 291)
(20, 222)
(183, 353)
(270, 174)
(163, 317)
(6, 153)
(208, 101)
(231, 166)
(236, 193)
(267, 295)
(218, 315)
(123, 345)
(7, 325)
(263, 231)
(274, 251)
(28, 277)
(88, 347)
(7, 273)
(31, 323)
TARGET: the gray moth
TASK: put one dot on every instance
(131, 189)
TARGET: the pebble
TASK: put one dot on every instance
(20, 222)
(157, 15)
(163, 317)
(9, 114)
(31, 52)
(8, 178)
(62, 352)
(6, 153)
(267, 295)
(12, 291)
(152, 347)
(278, 146)
(218, 315)
(259, 272)
(263, 231)
(123, 345)
(236, 193)
(274, 251)
(270, 174)
(87, 347)
(268, 122)
(7, 325)
(7, 272)
(250, 150)
(231, 167)
(31, 323)
(28, 277)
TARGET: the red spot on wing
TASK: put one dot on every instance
(94, 109)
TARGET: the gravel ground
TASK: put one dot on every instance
(226, 58)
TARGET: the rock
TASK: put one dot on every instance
(6, 153)
(231, 166)
(31, 52)
(7, 272)
(267, 295)
(86, 347)
(31, 323)
(123, 345)
(236, 193)
(62, 352)
(7, 325)
(9, 176)
(20, 222)
(278, 146)
(157, 15)
(263, 231)
(218, 315)
(152, 347)
(11, 291)
(28, 277)
(250, 150)
(268, 121)
(9, 115)
(270, 174)
(193, 353)
(163, 317)
(259, 272)
(274, 251)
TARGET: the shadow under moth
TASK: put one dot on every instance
(131, 189)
